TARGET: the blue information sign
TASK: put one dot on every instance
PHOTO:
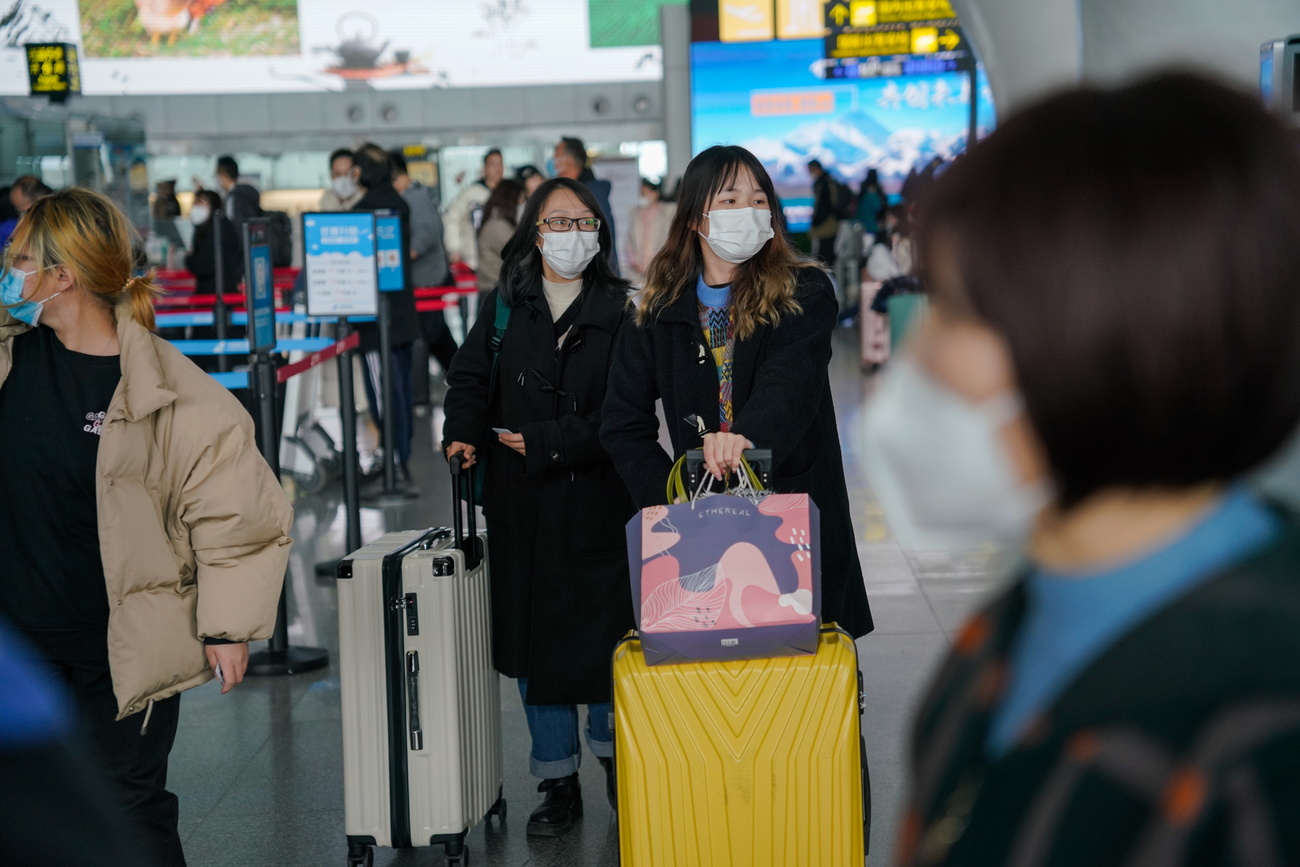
(258, 286)
(339, 264)
(392, 270)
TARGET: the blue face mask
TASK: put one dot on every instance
(11, 296)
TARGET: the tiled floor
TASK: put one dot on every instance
(259, 771)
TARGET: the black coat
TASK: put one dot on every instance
(781, 398)
(202, 262)
(561, 596)
(405, 325)
(243, 202)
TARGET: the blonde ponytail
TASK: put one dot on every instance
(142, 292)
(84, 231)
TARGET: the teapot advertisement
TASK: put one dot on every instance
(277, 46)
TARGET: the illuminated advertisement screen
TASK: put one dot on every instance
(278, 46)
(774, 99)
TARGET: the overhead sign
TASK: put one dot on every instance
(339, 264)
(53, 70)
(893, 32)
(258, 285)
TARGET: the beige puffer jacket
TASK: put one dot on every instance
(193, 526)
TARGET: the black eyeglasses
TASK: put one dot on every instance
(564, 224)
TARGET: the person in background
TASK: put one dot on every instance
(465, 213)
(1095, 399)
(500, 219)
(242, 201)
(824, 222)
(529, 177)
(571, 162)
(151, 542)
(561, 596)
(8, 216)
(871, 201)
(891, 254)
(26, 191)
(343, 192)
(205, 213)
(163, 211)
(373, 173)
(651, 219)
(428, 256)
(728, 283)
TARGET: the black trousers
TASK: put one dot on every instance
(441, 342)
(134, 764)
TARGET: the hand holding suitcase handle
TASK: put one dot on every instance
(724, 452)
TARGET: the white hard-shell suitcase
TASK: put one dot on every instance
(422, 758)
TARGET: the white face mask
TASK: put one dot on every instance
(199, 214)
(344, 187)
(569, 253)
(737, 234)
(939, 466)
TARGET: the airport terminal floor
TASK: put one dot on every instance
(259, 772)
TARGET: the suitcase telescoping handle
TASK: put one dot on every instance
(463, 478)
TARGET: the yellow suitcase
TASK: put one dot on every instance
(747, 763)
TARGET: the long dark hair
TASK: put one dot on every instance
(763, 288)
(521, 265)
(503, 203)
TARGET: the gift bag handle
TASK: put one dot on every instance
(677, 490)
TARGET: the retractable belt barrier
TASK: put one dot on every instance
(331, 349)
(241, 347)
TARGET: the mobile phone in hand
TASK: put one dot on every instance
(502, 430)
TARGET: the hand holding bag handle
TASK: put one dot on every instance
(686, 471)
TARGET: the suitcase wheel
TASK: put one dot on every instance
(362, 860)
(498, 810)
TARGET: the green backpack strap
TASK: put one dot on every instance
(499, 324)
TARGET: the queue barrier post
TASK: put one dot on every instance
(279, 658)
(351, 465)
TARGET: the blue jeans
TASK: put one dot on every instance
(556, 752)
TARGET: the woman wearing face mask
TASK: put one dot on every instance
(651, 219)
(733, 333)
(1095, 399)
(145, 537)
(500, 219)
(555, 506)
(202, 259)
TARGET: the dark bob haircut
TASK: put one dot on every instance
(376, 168)
(521, 260)
(1139, 251)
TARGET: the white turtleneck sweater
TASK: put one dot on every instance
(559, 296)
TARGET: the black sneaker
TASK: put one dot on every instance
(559, 810)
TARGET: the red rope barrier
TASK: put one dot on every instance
(284, 374)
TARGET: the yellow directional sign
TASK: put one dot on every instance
(881, 42)
(53, 69)
(838, 14)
